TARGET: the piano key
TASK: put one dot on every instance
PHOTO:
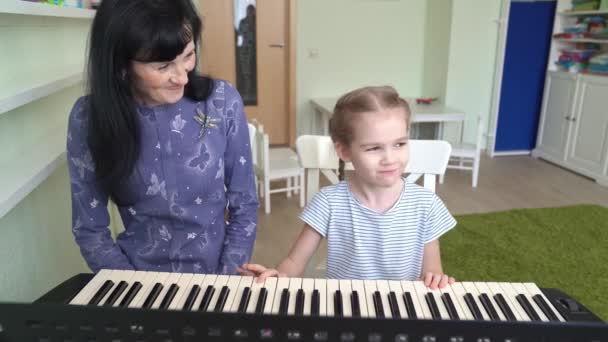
(338, 304)
(520, 289)
(528, 308)
(147, 282)
(472, 290)
(421, 311)
(504, 302)
(384, 289)
(315, 304)
(282, 284)
(191, 292)
(270, 285)
(450, 306)
(122, 278)
(333, 285)
(169, 296)
(184, 285)
(84, 296)
(543, 303)
(136, 286)
(102, 292)
(153, 296)
(432, 304)
(233, 286)
(116, 292)
(488, 303)
(505, 307)
(218, 286)
(459, 293)
(243, 295)
(171, 279)
(346, 291)
(295, 284)
(308, 286)
(378, 307)
(358, 287)
(261, 303)
(426, 301)
(394, 305)
(202, 301)
(300, 298)
(511, 297)
(395, 286)
(457, 306)
(321, 287)
(370, 289)
(205, 304)
(355, 304)
(256, 288)
(284, 302)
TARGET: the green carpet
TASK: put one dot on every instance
(564, 248)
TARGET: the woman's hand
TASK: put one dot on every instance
(437, 280)
(259, 272)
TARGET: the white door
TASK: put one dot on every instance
(560, 88)
(589, 143)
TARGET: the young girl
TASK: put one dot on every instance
(377, 226)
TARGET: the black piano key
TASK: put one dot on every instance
(221, 300)
(315, 304)
(392, 301)
(546, 309)
(430, 301)
(153, 295)
(409, 305)
(354, 302)
(378, 305)
(128, 298)
(194, 291)
(525, 303)
(487, 304)
(103, 290)
(171, 292)
(477, 315)
(338, 309)
(504, 307)
(447, 301)
(259, 306)
(118, 290)
(209, 291)
(300, 297)
(284, 302)
(244, 300)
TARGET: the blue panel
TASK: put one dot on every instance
(527, 51)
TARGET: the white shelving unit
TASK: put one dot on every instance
(33, 8)
(582, 40)
(577, 13)
(18, 92)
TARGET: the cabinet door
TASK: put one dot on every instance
(588, 147)
(560, 88)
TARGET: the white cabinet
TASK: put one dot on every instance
(573, 130)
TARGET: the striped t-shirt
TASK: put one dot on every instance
(364, 244)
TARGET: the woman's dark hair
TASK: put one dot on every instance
(124, 31)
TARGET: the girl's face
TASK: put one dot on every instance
(159, 83)
(379, 150)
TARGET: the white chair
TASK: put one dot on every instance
(428, 159)
(467, 156)
(277, 167)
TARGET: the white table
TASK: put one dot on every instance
(435, 112)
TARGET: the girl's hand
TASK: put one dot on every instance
(437, 280)
(259, 272)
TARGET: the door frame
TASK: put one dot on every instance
(290, 68)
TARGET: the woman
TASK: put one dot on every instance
(168, 146)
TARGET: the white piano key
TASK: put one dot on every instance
(233, 284)
(463, 312)
(121, 275)
(182, 291)
(294, 285)
(147, 283)
(88, 291)
(519, 288)
(483, 288)
(209, 280)
(510, 296)
(282, 283)
(195, 279)
(220, 282)
(459, 292)
(496, 289)
(308, 285)
(535, 290)
(346, 290)
(271, 286)
(255, 294)
(395, 286)
(370, 288)
(115, 277)
(321, 287)
(421, 288)
(359, 286)
(422, 311)
(469, 287)
(333, 285)
(244, 283)
(172, 278)
(383, 287)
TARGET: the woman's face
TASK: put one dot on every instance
(159, 83)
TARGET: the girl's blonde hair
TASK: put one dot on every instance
(362, 100)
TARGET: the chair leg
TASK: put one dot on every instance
(267, 197)
(301, 189)
(288, 181)
(295, 185)
(475, 171)
(441, 177)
